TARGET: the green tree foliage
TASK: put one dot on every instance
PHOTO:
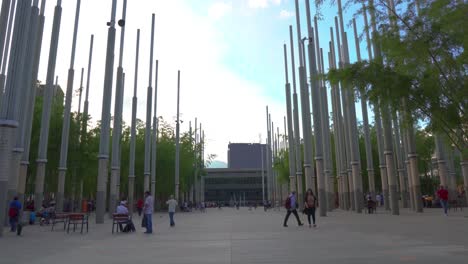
(424, 61)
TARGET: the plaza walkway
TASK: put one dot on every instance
(243, 236)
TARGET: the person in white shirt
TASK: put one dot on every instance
(172, 204)
(122, 208)
(148, 211)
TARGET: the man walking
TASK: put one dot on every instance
(443, 197)
(14, 213)
(291, 205)
(148, 211)
(172, 204)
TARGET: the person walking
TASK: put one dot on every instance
(148, 211)
(14, 213)
(442, 193)
(172, 204)
(139, 206)
(291, 205)
(310, 205)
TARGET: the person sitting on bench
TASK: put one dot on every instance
(122, 209)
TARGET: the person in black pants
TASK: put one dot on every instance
(310, 203)
(291, 205)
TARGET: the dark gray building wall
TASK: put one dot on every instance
(246, 156)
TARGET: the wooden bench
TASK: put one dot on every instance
(77, 219)
(59, 218)
(118, 220)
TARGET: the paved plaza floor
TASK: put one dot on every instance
(243, 236)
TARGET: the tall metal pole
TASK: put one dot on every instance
(384, 163)
(292, 158)
(37, 41)
(5, 44)
(8, 126)
(80, 91)
(195, 176)
(67, 116)
(47, 105)
(297, 132)
(352, 125)
(340, 148)
(305, 106)
(131, 174)
(105, 120)
(149, 98)
(365, 117)
(268, 154)
(263, 171)
(346, 159)
(15, 87)
(155, 133)
(322, 196)
(114, 187)
(177, 157)
(88, 77)
(6, 18)
(329, 182)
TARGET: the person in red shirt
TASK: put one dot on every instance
(442, 193)
(140, 206)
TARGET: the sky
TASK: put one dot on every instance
(229, 52)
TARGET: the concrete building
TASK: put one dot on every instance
(242, 180)
(246, 155)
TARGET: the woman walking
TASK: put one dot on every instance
(309, 206)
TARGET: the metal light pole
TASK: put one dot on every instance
(329, 182)
(47, 105)
(305, 106)
(367, 141)
(10, 117)
(67, 116)
(105, 120)
(340, 149)
(149, 97)
(352, 125)
(155, 133)
(6, 20)
(86, 102)
(177, 154)
(131, 174)
(292, 158)
(387, 131)
(297, 132)
(317, 115)
(114, 187)
(263, 173)
(36, 41)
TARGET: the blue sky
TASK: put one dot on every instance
(230, 53)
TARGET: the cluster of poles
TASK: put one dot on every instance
(311, 163)
(21, 31)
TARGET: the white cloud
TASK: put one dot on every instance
(263, 3)
(229, 107)
(258, 3)
(219, 9)
(285, 14)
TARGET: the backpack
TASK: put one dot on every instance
(287, 203)
(13, 212)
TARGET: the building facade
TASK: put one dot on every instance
(227, 186)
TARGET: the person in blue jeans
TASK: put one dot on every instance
(148, 211)
(172, 205)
